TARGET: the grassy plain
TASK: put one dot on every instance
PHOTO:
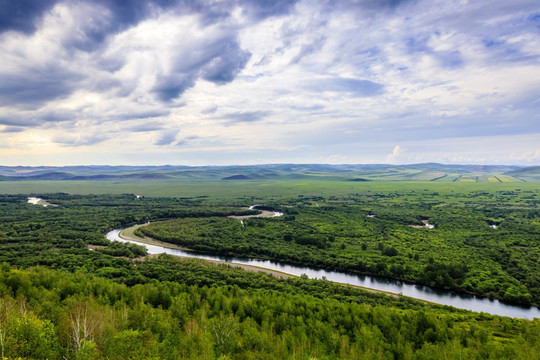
(252, 189)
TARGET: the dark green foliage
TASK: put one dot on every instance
(59, 236)
(123, 249)
(336, 233)
(166, 308)
(390, 251)
(51, 314)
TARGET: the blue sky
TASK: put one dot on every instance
(251, 82)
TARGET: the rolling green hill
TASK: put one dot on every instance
(382, 172)
(531, 173)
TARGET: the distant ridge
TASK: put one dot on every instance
(236, 177)
(61, 176)
(432, 172)
(531, 173)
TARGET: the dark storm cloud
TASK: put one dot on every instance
(310, 108)
(144, 114)
(145, 128)
(16, 120)
(34, 119)
(36, 86)
(364, 6)
(219, 62)
(22, 15)
(79, 140)
(229, 59)
(123, 14)
(261, 9)
(187, 141)
(209, 110)
(111, 64)
(25, 15)
(12, 129)
(361, 88)
(55, 117)
(382, 3)
(246, 116)
(167, 137)
(169, 87)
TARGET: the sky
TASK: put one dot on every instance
(154, 82)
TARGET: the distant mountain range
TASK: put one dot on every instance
(365, 172)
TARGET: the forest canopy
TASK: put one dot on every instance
(59, 271)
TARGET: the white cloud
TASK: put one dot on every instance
(312, 82)
(396, 155)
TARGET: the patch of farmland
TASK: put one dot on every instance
(427, 175)
(507, 178)
(450, 177)
(482, 178)
(531, 173)
(468, 178)
(439, 178)
(393, 175)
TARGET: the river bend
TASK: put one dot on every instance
(461, 301)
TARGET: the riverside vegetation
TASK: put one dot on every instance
(59, 298)
(375, 233)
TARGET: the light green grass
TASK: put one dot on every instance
(507, 178)
(250, 190)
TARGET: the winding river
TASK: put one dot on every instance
(462, 301)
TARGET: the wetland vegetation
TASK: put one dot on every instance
(162, 307)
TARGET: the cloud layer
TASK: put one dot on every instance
(238, 81)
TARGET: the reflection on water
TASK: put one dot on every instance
(462, 301)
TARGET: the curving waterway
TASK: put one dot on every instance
(462, 301)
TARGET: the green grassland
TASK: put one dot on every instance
(217, 189)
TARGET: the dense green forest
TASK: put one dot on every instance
(67, 292)
(58, 236)
(52, 314)
(483, 243)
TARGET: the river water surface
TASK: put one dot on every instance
(462, 301)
